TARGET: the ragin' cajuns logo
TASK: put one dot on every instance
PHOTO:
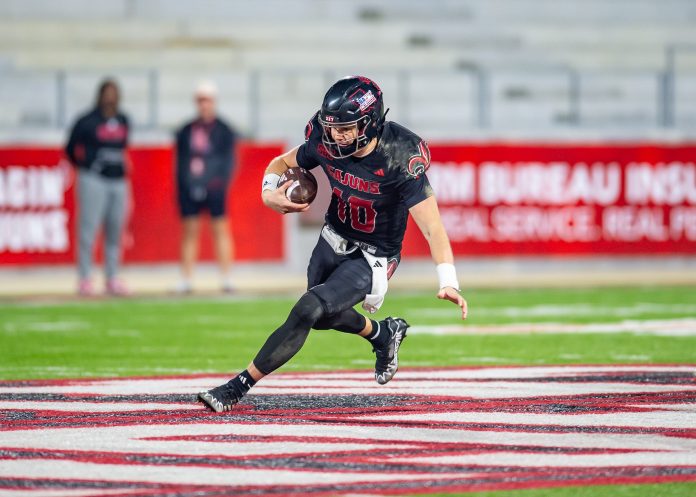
(420, 162)
(338, 433)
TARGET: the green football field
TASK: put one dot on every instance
(153, 336)
(169, 336)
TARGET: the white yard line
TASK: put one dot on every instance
(70, 492)
(565, 310)
(86, 406)
(658, 327)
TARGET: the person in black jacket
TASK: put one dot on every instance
(97, 148)
(204, 161)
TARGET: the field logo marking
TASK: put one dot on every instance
(338, 433)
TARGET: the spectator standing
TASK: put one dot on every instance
(204, 162)
(97, 148)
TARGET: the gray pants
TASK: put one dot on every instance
(101, 201)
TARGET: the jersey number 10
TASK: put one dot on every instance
(362, 213)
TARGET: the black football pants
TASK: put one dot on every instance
(335, 284)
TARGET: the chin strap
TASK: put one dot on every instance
(380, 123)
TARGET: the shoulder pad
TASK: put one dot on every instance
(312, 127)
(419, 161)
(410, 151)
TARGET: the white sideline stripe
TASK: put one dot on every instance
(663, 327)
(133, 438)
(49, 468)
(348, 382)
(672, 407)
(477, 390)
(497, 372)
(464, 373)
(491, 390)
(668, 419)
(453, 388)
(70, 492)
(128, 386)
(567, 460)
(83, 406)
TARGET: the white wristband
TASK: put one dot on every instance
(447, 275)
(270, 182)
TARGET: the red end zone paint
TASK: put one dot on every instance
(434, 430)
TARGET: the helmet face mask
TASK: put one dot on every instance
(355, 102)
(336, 149)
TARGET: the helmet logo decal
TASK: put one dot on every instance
(366, 101)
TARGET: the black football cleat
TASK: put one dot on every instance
(387, 362)
(221, 398)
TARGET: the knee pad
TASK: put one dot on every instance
(309, 309)
(288, 339)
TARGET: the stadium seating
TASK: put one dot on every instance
(457, 68)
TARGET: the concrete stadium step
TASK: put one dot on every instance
(588, 11)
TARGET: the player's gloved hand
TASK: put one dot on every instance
(278, 201)
(451, 294)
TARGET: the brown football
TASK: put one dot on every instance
(303, 189)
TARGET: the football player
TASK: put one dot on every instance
(376, 170)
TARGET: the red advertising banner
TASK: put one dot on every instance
(494, 199)
(564, 199)
(38, 211)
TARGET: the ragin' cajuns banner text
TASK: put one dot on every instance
(38, 208)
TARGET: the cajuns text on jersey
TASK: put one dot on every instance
(371, 195)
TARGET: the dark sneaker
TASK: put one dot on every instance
(387, 362)
(220, 398)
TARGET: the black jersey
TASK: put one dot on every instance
(371, 195)
(98, 143)
(204, 155)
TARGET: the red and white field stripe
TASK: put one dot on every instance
(429, 430)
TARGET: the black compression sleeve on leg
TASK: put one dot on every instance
(348, 321)
(287, 340)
